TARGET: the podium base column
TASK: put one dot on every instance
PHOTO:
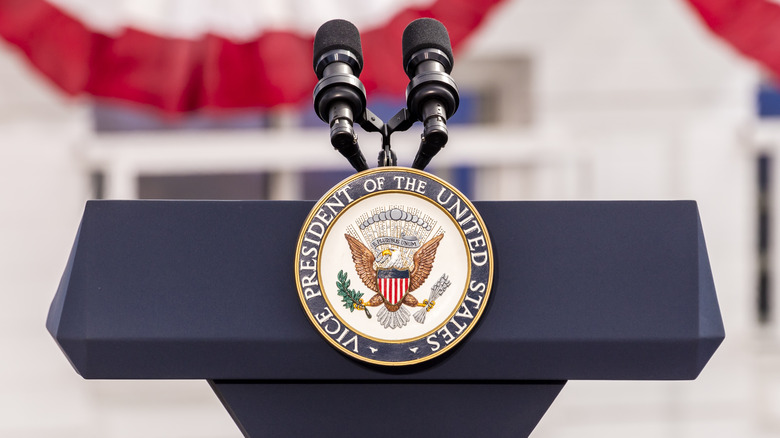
(386, 408)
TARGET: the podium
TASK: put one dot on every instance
(206, 290)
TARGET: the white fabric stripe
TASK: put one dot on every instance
(234, 19)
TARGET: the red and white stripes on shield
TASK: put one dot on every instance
(393, 289)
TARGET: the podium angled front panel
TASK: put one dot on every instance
(205, 290)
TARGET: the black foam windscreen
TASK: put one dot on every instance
(338, 34)
(425, 33)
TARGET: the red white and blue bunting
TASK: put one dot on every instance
(185, 55)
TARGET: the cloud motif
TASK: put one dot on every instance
(396, 214)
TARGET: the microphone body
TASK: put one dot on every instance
(339, 96)
(432, 95)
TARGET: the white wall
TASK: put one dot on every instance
(43, 187)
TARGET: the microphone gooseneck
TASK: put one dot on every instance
(339, 96)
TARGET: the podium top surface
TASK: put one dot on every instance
(205, 290)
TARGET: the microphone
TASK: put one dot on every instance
(432, 95)
(339, 96)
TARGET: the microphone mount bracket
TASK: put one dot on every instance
(401, 121)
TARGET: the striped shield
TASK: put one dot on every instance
(393, 283)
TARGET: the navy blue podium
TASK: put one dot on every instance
(206, 290)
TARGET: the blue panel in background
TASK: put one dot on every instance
(463, 180)
(768, 100)
(120, 117)
(317, 182)
(468, 109)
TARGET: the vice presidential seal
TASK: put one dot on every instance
(394, 266)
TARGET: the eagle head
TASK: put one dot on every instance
(386, 259)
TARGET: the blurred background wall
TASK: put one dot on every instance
(589, 99)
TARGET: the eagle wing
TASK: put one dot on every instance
(364, 262)
(423, 262)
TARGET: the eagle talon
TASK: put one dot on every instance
(429, 305)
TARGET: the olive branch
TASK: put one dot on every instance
(350, 297)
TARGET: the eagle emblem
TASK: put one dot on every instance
(393, 279)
